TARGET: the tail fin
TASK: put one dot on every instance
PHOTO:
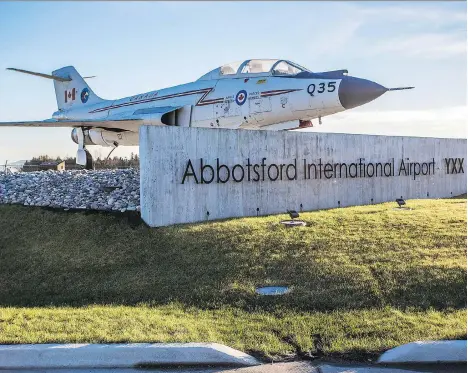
(72, 91)
(70, 88)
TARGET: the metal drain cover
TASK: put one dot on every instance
(272, 290)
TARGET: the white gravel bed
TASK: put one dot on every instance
(108, 190)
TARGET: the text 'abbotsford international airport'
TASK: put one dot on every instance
(203, 172)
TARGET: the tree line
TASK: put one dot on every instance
(99, 163)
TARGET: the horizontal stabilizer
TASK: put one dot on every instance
(57, 78)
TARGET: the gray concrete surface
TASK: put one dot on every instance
(69, 356)
(408, 368)
(426, 352)
(167, 197)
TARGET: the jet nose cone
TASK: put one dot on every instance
(355, 91)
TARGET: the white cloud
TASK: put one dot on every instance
(435, 16)
(445, 122)
(333, 40)
(422, 31)
(436, 46)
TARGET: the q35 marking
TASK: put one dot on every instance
(311, 88)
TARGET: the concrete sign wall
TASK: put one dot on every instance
(197, 174)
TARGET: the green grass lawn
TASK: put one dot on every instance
(363, 278)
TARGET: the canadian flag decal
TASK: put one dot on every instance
(70, 95)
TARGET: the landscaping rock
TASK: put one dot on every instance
(109, 190)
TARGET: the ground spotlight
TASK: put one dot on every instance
(293, 214)
(401, 202)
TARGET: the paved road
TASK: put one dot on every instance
(293, 367)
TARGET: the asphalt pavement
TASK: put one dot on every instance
(291, 367)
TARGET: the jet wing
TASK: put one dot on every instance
(119, 121)
(72, 123)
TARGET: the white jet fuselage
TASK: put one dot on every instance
(247, 102)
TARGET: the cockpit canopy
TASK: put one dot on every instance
(263, 67)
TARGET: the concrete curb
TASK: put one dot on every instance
(426, 352)
(120, 355)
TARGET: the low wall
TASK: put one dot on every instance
(198, 174)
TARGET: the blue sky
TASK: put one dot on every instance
(135, 47)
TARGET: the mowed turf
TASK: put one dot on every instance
(362, 279)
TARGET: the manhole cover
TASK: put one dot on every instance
(293, 223)
(272, 290)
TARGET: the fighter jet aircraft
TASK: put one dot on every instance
(267, 94)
